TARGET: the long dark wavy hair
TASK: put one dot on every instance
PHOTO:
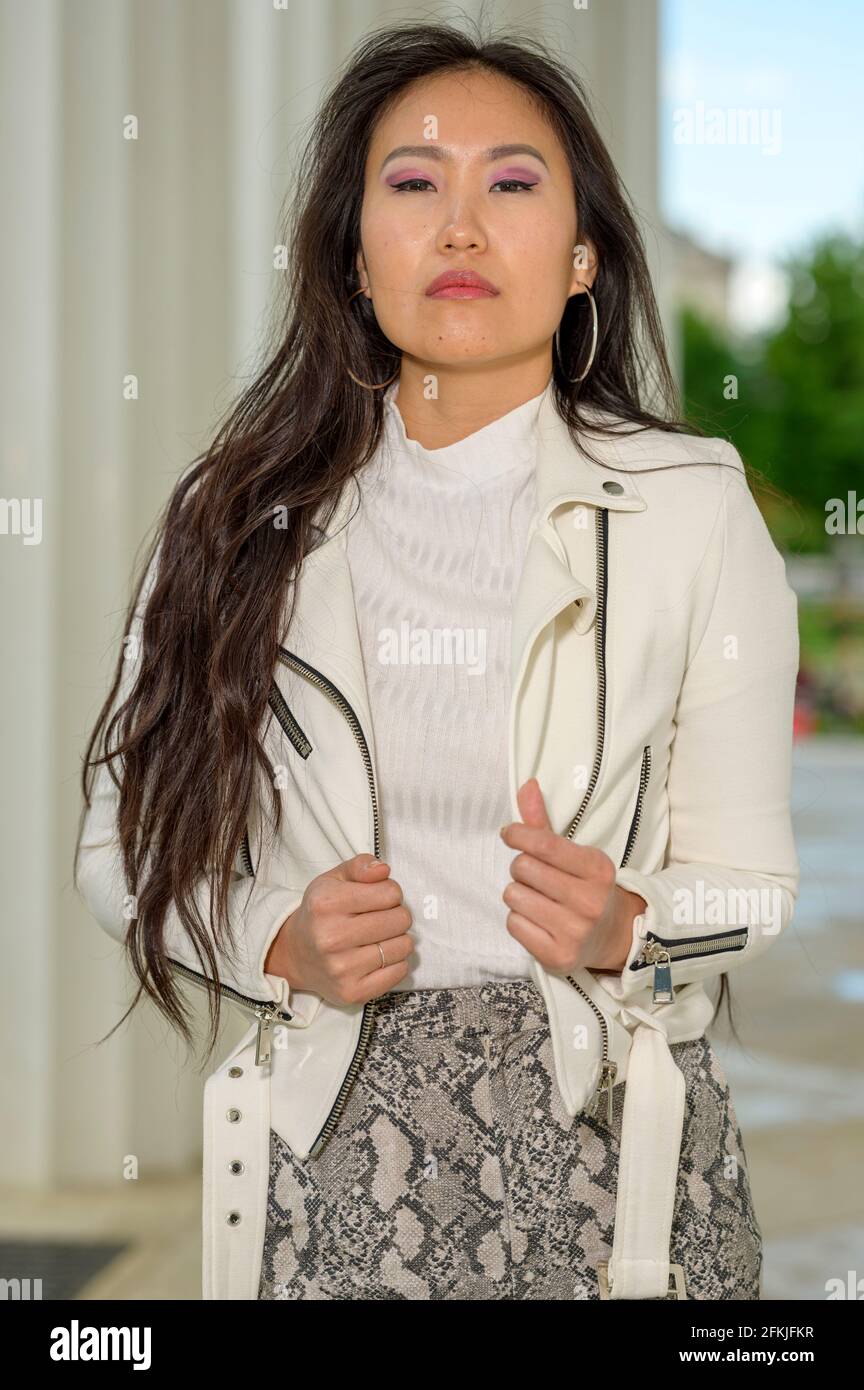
(188, 736)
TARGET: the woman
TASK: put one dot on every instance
(451, 586)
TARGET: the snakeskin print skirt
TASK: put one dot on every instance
(456, 1173)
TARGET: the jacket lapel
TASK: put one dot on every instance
(558, 570)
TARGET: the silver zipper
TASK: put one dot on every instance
(246, 856)
(289, 724)
(292, 729)
(660, 952)
(323, 683)
(267, 1012)
(602, 528)
(662, 989)
(644, 775)
(608, 1068)
(264, 1010)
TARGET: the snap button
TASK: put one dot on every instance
(235, 1166)
(614, 488)
(233, 1115)
(233, 1218)
(235, 1071)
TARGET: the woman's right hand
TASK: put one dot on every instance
(329, 944)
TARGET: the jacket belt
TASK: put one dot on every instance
(651, 1130)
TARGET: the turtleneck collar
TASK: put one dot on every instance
(486, 453)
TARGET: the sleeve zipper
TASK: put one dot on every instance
(660, 952)
(267, 1012)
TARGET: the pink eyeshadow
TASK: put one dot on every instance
(529, 175)
(408, 174)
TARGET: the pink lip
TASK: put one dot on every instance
(462, 292)
(460, 284)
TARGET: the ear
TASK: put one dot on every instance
(361, 270)
(584, 259)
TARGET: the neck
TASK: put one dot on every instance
(467, 398)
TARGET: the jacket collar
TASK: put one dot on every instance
(563, 472)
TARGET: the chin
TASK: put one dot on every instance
(453, 352)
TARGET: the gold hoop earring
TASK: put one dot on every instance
(377, 386)
(582, 375)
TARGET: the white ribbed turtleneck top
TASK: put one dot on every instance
(435, 550)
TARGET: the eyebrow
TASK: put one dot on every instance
(440, 152)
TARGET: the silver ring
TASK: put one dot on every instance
(381, 949)
(594, 330)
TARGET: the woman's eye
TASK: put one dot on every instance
(406, 183)
(515, 183)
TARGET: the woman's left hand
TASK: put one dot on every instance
(565, 906)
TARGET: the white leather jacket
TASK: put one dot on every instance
(654, 657)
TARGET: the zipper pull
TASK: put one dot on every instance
(266, 1020)
(664, 992)
(608, 1072)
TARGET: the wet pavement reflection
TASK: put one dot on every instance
(798, 1082)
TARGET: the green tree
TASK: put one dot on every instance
(798, 419)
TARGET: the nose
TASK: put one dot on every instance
(462, 227)
(457, 239)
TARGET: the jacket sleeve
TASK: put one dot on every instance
(730, 876)
(257, 908)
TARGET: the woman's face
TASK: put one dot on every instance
(458, 201)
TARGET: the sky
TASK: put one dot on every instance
(758, 194)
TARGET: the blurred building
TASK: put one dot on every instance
(698, 278)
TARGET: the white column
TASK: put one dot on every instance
(30, 387)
